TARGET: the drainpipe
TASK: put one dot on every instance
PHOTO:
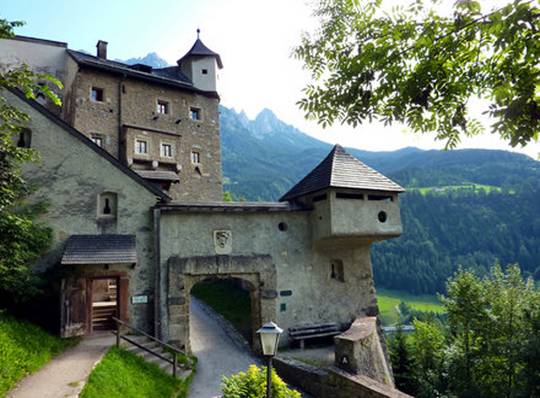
(157, 274)
(120, 95)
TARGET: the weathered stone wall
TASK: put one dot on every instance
(305, 291)
(69, 177)
(130, 102)
(332, 382)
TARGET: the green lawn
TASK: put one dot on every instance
(122, 374)
(24, 348)
(228, 300)
(389, 299)
(449, 188)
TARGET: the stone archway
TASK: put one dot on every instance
(184, 272)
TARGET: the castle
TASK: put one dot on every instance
(130, 166)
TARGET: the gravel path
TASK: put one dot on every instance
(218, 354)
(65, 375)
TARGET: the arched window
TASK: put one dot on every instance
(25, 138)
(107, 204)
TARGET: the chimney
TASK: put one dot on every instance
(102, 49)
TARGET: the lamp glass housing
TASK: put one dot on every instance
(269, 335)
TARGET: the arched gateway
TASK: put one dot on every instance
(183, 273)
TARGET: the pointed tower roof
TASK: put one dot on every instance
(200, 50)
(341, 170)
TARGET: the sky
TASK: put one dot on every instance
(255, 39)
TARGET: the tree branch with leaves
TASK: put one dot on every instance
(416, 66)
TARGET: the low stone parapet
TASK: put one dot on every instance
(332, 382)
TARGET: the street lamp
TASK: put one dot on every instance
(269, 335)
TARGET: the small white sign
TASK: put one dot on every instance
(139, 299)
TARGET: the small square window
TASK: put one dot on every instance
(162, 107)
(195, 113)
(141, 147)
(97, 139)
(195, 157)
(205, 71)
(96, 94)
(166, 150)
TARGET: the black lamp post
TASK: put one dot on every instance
(269, 335)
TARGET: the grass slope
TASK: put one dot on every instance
(24, 348)
(122, 374)
(456, 188)
(389, 299)
(228, 300)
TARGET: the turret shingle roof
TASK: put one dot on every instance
(341, 170)
(200, 50)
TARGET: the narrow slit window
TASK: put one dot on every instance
(162, 107)
(195, 113)
(25, 138)
(386, 198)
(97, 139)
(166, 150)
(107, 204)
(96, 94)
(195, 157)
(348, 195)
(141, 147)
(337, 271)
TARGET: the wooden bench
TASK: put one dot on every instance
(302, 333)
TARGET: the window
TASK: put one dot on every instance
(195, 113)
(337, 272)
(195, 157)
(162, 107)
(96, 94)
(97, 139)
(205, 71)
(166, 150)
(141, 147)
(107, 204)
(25, 138)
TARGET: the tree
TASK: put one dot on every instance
(419, 67)
(23, 239)
(402, 366)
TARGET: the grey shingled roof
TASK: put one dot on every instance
(165, 75)
(100, 249)
(341, 170)
(200, 50)
(162, 175)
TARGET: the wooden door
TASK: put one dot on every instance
(73, 301)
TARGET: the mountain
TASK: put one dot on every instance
(467, 208)
(150, 59)
(262, 158)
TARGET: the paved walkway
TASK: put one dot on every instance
(65, 375)
(218, 354)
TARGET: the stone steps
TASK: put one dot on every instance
(150, 358)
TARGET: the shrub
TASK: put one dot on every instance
(252, 384)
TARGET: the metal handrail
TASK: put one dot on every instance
(175, 351)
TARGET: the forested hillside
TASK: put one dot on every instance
(465, 207)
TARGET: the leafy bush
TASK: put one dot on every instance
(24, 348)
(252, 384)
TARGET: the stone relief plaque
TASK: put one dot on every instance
(223, 241)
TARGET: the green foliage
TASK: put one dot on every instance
(227, 196)
(443, 231)
(401, 362)
(252, 384)
(27, 238)
(388, 302)
(24, 348)
(123, 374)
(228, 300)
(489, 347)
(417, 66)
